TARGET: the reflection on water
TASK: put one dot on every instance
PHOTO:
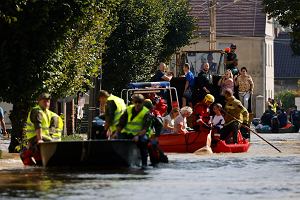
(262, 173)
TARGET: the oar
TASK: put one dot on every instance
(252, 131)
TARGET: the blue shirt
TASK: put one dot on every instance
(190, 78)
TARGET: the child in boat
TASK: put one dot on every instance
(180, 125)
(169, 121)
(217, 121)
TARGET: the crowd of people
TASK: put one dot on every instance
(276, 117)
(146, 117)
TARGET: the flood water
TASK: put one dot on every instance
(261, 173)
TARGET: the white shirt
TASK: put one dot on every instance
(180, 120)
(218, 120)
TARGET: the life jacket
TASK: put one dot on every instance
(30, 129)
(121, 107)
(200, 110)
(56, 129)
(134, 125)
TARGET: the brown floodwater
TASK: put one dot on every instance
(261, 173)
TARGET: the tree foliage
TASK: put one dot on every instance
(288, 15)
(49, 45)
(180, 26)
(287, 97)
(148, 31)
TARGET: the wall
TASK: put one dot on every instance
(250, 52)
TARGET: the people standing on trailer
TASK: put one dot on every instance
(245, 86)
(189, 85)
(231, 60)
(161, 74)
(203, 85)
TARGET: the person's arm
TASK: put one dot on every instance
(148, 120)
(245, 114)
(166, 77)
(180, 128)
(122, 122)
(167, 124)
(36, 118)
(109, 113)
(251, 84)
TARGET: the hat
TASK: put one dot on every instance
(233, 46)
(44, 96)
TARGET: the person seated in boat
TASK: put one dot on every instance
(114, 108)
(201, 114)
(295, 118)
(282, 118)
(217, 121)
(180, 123)
(38, 130)
(168, 122)
(235, 114)
(134, 124)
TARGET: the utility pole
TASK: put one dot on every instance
(212, 24)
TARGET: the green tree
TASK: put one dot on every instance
(180, 26)
(288, 15)
(287, 97)
(49, 45)
(148, 31)
(134, 45)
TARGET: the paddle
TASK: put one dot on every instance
(248, 128)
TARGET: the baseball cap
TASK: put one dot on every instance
(44, 96)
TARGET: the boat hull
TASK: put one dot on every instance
(193, 141)
(182, 143)
(100, 153)
(222, 147)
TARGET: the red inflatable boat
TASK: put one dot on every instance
(192, 141)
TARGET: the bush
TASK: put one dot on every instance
(287, 97)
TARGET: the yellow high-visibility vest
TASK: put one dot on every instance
(134, 125)
(30, 129)
(121, 107)
(56, 129)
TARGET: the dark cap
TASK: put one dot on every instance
(233, 46)
(44, 96)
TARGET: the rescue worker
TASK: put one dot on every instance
(235, 113)
(155, 153)
(114, 108)
(56, 126)
(201, 117)
(134, 124)
(37, 130)
(201, 112)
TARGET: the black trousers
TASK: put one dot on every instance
(142, 145)
(226, 131)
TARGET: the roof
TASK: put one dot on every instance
(234, 18)
(286, 64)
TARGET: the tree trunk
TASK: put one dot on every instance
(18, 119)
